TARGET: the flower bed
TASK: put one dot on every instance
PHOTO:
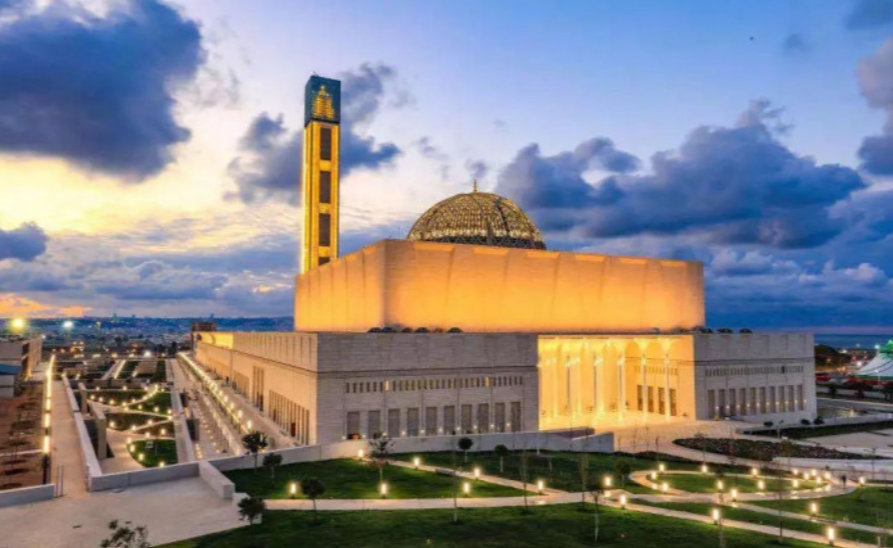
(763, 450)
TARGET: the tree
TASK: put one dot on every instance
(786, 451)
(465, 444)
(596, 491)
(379, 452)
(702, 441)
(622, 469)
(583, 466)
(455, 489)
(524, 480)
(502, 452)
(270, 462)
(251, 507)
(313, 489)
(125, 536)
(255, 442)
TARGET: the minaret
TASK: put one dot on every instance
(320, 174)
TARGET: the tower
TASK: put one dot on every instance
(320, 171)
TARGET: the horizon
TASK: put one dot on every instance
(754, 139)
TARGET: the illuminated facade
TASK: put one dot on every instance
(470, 325)
(320, 178)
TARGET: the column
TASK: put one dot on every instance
(644, 372)
(667, 383)
(621, 381)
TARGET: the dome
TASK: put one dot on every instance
(479, 218)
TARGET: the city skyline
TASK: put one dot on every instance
(752, 140)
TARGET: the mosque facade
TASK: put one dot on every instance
(471, 325)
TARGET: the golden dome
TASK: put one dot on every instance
(478, 218)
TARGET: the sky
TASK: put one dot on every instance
(149, 150)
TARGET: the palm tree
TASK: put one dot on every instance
(313, 489)
(501, 451)
(251, 507)
(254, 443)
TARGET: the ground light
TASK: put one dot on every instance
(466, 488)
(761, 485)
(832, 534)
(607, 482)
(734, 495)
(383, 489)
(719, 485)
(293, 489)
(754, 472)
(623, 501)
(416, 461)
(662, 468)
(716, 515)
(814, 508)
(477, 472)
(704, 469)
(796, 484)
(664, 487)
(360, 454)
(540, 485)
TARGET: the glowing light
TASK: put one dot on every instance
(664, 487)
(608, 481)
(416, 461)
(18, 324)
(716, 515)
(832, 534)
(466, 488)
(540, 485)
(293, 489)
(623, 501)
(704, 469)
(734, 494)
(719, 485)
(662, 468)
(761, 485)
(862, 480)
(814, 508)
(67, 324)
(477, 472)
(383, 489)
(754, 471)
(796, 484)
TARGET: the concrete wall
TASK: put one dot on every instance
(123, 480)
(27, 495)
(752, 363)
(600, 443)
(401, 283)
(219, 483)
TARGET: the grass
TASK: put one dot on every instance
(123, 421)
(759, 518)
(875, 508)
(707, 483)
(127, 369)
(161, 451)
(567, 526)
(563, 472)
(161, 401)
(351, 479)
(120, 396)
(160, 374)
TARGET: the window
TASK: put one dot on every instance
(325, 187)
(393, 423)
(484, 417)
(325, 143)
(431, 420)
(516, 416)
(412, 421)
(500, 417)
(373, 429)
(466, 419)
(449, 419)
(353, 425)
(325, 229)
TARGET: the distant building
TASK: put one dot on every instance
(18, 358)
(471, 325)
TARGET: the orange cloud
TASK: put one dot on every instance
(17, 305)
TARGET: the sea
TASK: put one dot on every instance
(843, 340)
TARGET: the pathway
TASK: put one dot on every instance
(68, 461)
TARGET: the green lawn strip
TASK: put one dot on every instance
(771, 520)
(120, 396)
(161, 451)
(875, 508)
(127, 369)
(707, 483)
(160, 374)
(123, 421)
(161, 401)
(351, 479)
(564, 472)
(567, 526)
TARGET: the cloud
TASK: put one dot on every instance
(867, 14)
(98, 92)
(478, 169)
(155, 280)
(12, 304)
(269, 165)
(24, 243)
(730, 185)
(795, 43)
(875, 76)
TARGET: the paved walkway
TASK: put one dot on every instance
(68, 463)
(172, 511)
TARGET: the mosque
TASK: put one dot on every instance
(472, 325)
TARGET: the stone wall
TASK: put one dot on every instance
(401, 283)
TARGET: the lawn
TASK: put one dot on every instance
(159, 403)
(351, 479)
(123, 421)
(560, 470)
(738, 514)
(763, 450)
(707, 483)
(875, 508)
(119, 396)
(567, 526)
(824, 430)
(161, 451)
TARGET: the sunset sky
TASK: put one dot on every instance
(149, 150)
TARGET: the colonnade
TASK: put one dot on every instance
(582, 378)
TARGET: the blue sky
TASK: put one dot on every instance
(151, 146)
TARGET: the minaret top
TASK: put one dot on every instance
(474, 186)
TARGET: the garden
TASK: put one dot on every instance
(763, 450)
(154, 453)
